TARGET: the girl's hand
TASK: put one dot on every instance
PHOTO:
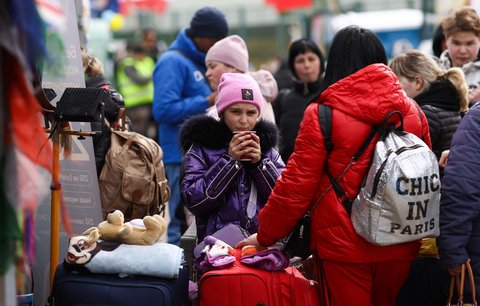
(255, 154)
(245, 146)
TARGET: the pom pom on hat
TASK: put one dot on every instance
(208, 22)
(267, 83)
(232, 51)
(238, 88)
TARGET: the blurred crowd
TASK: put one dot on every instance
(200, 96)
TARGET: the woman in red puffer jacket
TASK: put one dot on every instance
(361, 90)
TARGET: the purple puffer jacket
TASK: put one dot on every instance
(214, 186)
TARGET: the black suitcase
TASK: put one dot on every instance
(74, 289)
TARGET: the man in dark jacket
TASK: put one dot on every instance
(459, 238)
(181, 90)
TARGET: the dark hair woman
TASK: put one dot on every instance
(307, 64)
(361, 90)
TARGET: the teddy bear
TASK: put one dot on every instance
(137, 231)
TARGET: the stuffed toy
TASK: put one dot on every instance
(137, 231)
(82, 248)
(215, 255)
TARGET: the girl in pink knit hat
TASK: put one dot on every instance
(231, 55)
(230, 165)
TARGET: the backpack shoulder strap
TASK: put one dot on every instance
(325, 120)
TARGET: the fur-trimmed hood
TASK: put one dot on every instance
(211, 133)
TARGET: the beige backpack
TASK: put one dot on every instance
(133, 176)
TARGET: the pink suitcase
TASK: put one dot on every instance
(241, 285)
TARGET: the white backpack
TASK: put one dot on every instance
(399, 200)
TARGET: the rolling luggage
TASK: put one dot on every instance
(74, 289)
(241, 285)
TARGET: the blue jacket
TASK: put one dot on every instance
(214, 186)
(460, 203)
(180, 91)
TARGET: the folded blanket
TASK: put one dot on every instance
(160, 259)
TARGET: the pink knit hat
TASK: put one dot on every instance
(238, 88)
(232, 51)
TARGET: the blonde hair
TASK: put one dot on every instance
(416, 63)
(464, 19)
(91, 65)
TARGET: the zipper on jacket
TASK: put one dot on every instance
(235, 165)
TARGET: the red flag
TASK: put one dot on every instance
(157, 6)
(288, 5)
(28, 134)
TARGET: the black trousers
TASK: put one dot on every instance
(427, 284)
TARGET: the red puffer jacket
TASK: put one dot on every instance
(358, 102)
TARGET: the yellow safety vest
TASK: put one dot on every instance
(134, 94)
